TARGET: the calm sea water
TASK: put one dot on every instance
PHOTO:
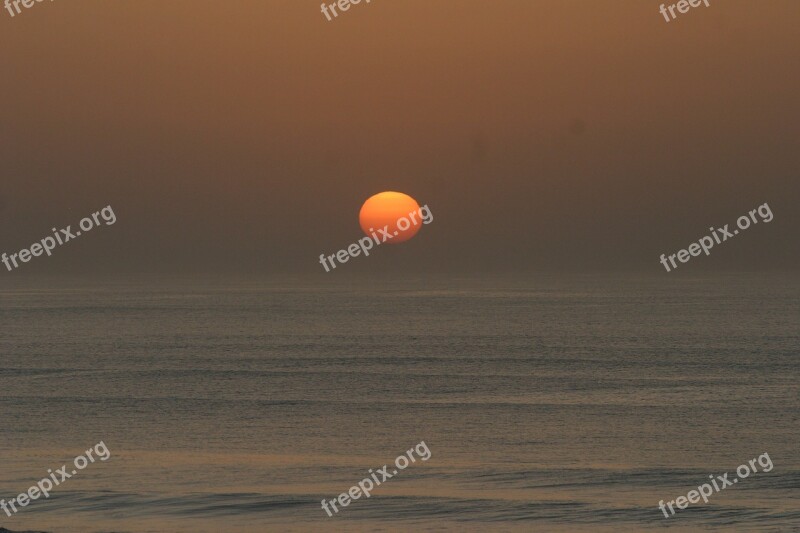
(548, 404)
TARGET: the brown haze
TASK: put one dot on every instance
(243, 136)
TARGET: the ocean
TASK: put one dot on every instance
(548, 403)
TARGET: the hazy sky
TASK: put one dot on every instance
(244, 135)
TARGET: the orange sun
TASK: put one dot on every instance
(383, 212)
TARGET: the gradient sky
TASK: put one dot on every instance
(244, 135)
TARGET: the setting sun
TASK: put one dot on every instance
(384, 209)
